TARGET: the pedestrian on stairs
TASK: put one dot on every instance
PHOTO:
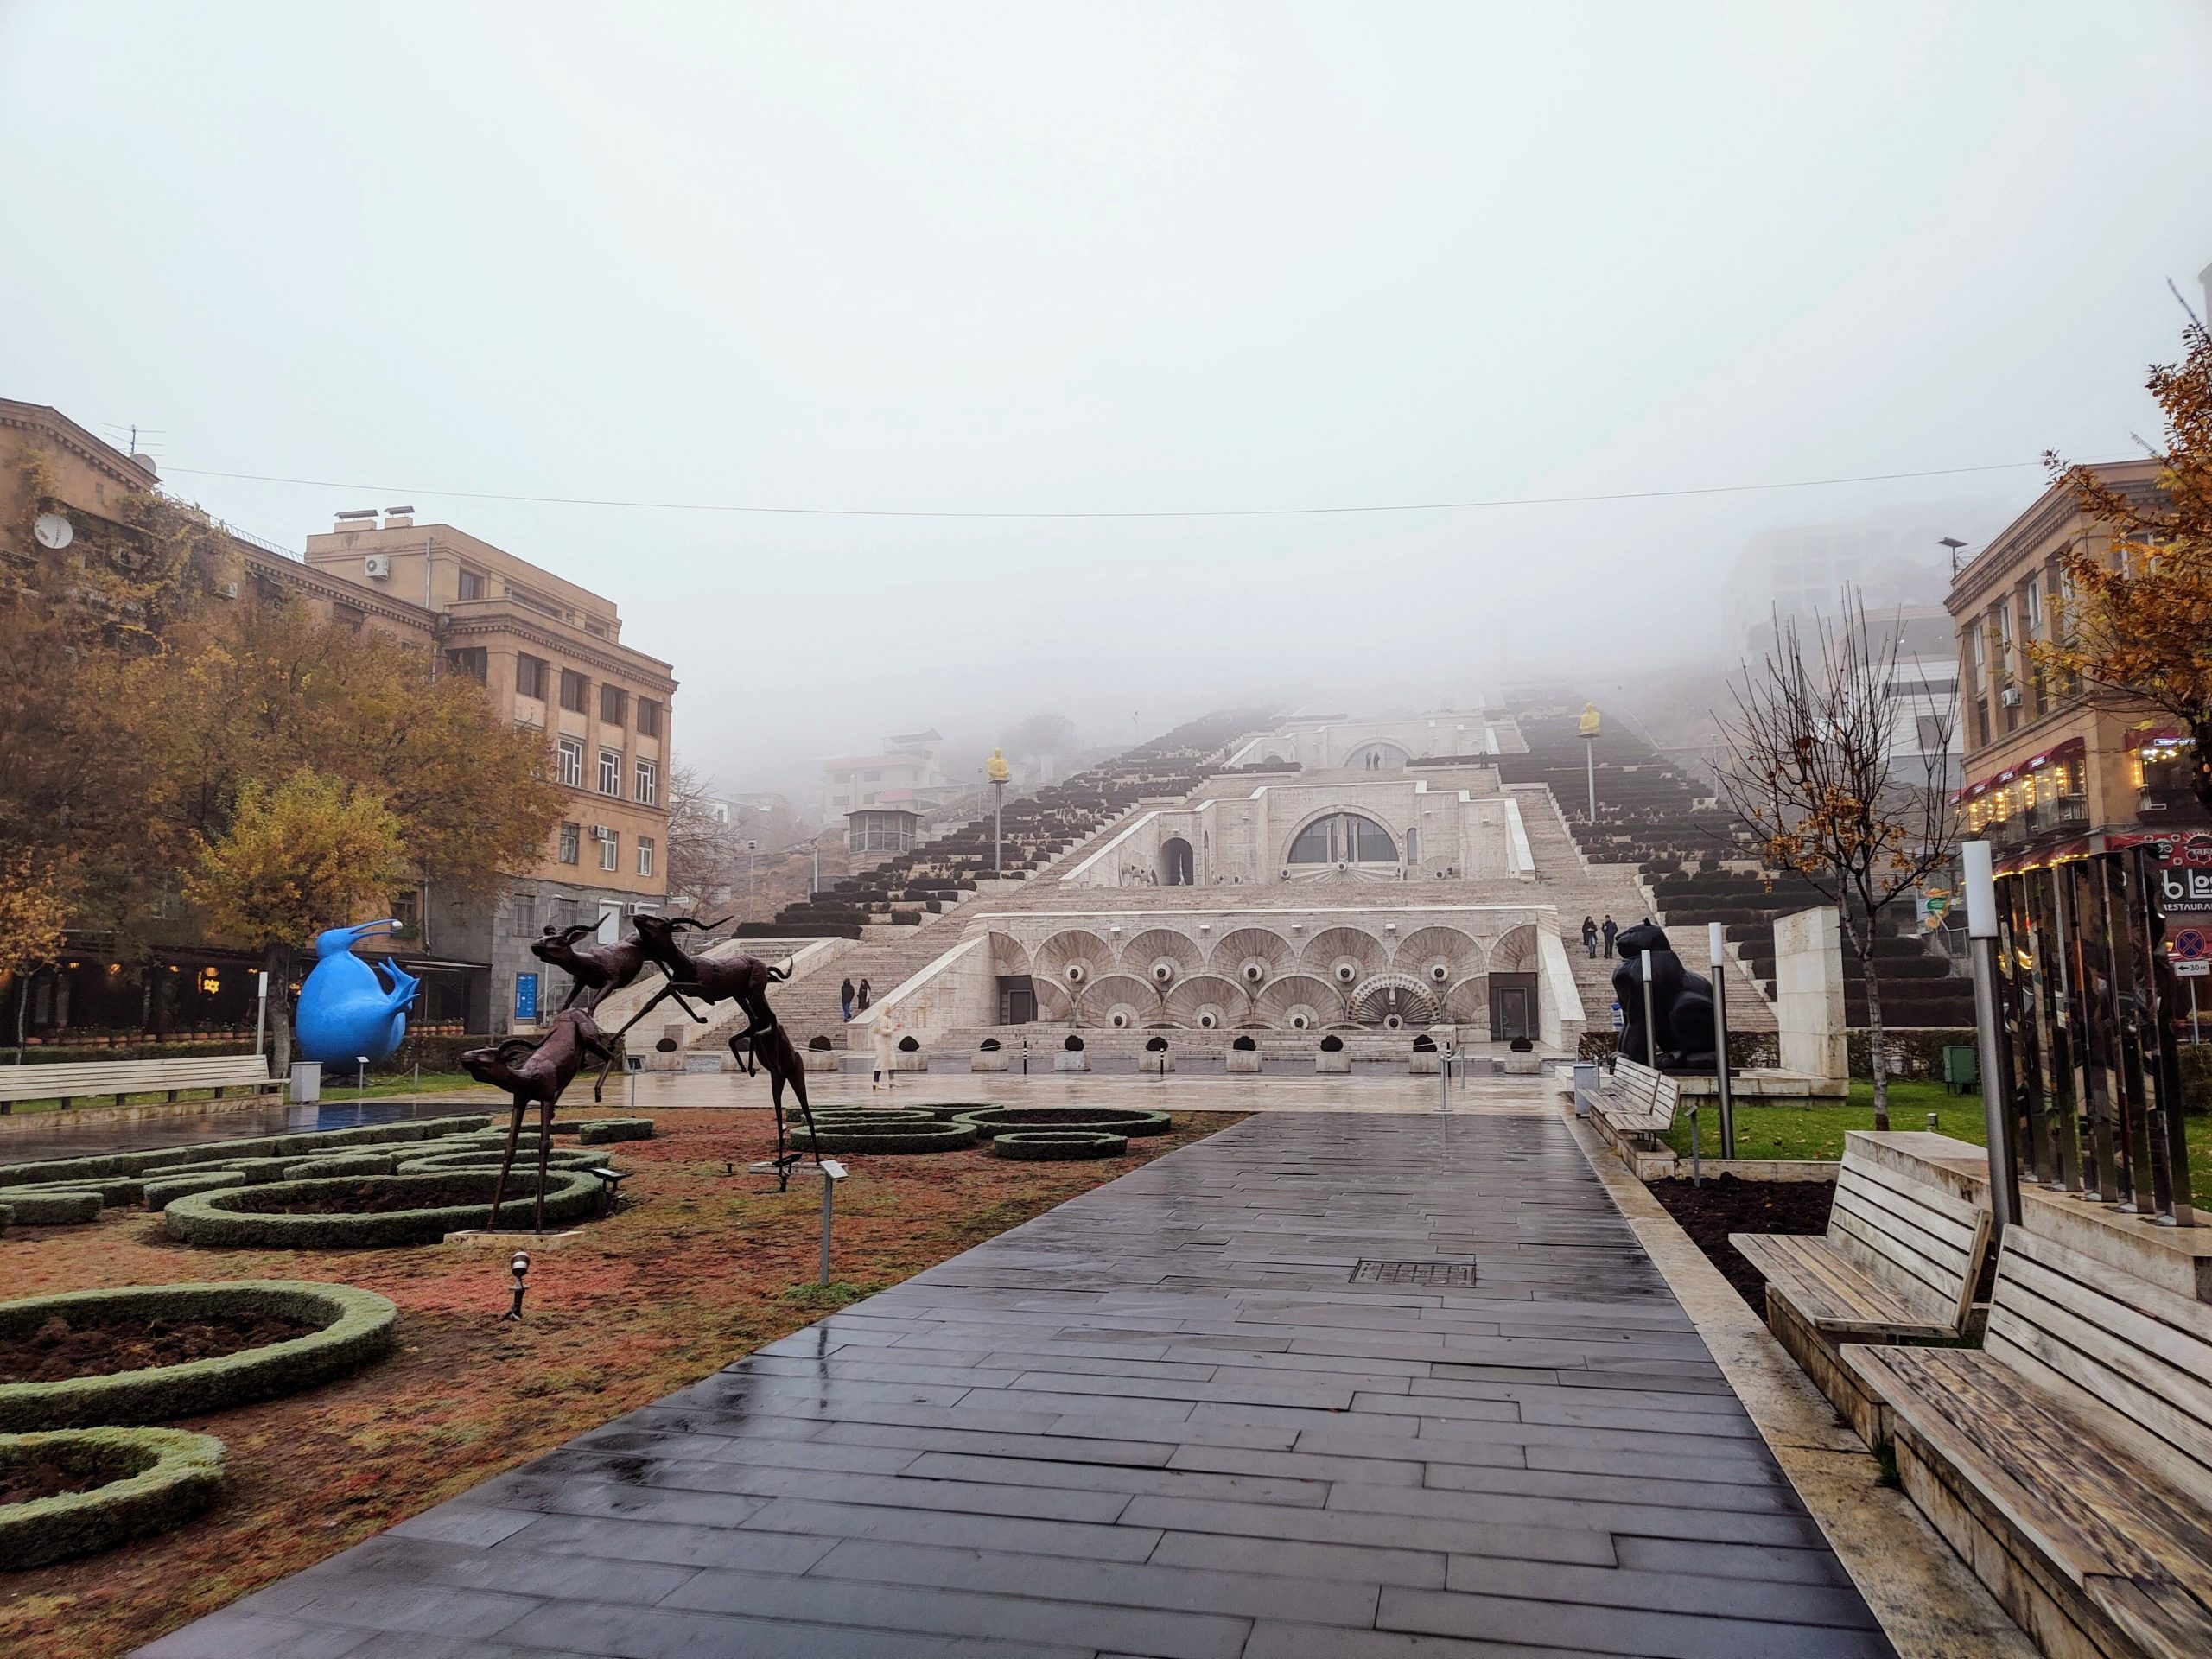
(862, 998)
(1589, 940)
(1610, 928)
(845, 990)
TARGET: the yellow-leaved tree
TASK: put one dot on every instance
(35, 899)
(308, 853)
(2138, 624)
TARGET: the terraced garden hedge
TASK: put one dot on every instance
(991, 1121)
(475, 1158)
(354, 1327)
(256, 1217)
(151, 1479)
(1040, 1145)
(885, 1135)
(227, 1152)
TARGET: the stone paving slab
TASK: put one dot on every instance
(1071, 1441)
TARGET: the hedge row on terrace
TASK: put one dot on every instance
(253, 1217)
(156, 1478)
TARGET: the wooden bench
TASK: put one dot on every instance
(87, 1079)
(1899, 1263)
(1637, 1104)
(2069, 1460)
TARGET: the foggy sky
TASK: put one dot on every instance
(1103, 258)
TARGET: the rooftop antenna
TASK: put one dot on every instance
(1955, 544)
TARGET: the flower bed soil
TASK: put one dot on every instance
(62, 1348)
(27, 1482)
(1728, 1204)
(622, 1317)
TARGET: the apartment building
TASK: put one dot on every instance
(2051, 770)
(548, 652)
(551, 654)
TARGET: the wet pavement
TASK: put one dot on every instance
(1351, 1385)
(62, 1134)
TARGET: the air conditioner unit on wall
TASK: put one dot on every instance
(377, 567)
(2010, 696)
(600, 832)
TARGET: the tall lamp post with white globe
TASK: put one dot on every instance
(1590, 753)
(998, 772)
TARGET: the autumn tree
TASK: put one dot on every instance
(1814, 768)
(36, 899)
(704, 851)
(2138, 624)
(306, 854)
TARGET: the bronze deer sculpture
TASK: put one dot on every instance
(537, 1070)
(595, 971)
(745, 980)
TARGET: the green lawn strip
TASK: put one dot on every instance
(1797, 1131)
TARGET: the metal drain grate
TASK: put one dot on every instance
(1414, 1273)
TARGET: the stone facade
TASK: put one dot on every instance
(1331, 740)
(1384, 824)
(1809, 993)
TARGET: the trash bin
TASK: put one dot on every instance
(1586, 1086)
(1960, 1072)
(306, 1082)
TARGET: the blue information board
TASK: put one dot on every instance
(525, 996)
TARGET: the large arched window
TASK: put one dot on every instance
(1344, 838)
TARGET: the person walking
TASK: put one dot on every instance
(884, 1033)
(1590, 936)
(1610, 928)
(845, 990)
(862, 998)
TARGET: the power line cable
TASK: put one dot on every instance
(1192, 512)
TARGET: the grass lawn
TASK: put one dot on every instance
(433, 1082)
(698, 1270)
(1816, 1132)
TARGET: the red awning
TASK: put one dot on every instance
(2142, 735)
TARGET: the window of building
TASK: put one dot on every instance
(610, 771)
(571, 755)
(648, 717)
(613, 704)
(648, 783)
(472, 584)
(571, 836)
(407, 910)
(645, 854)
(610, 851)
(1344, 838)
(530, 676)
(572, 690)
(472, 660)
(522, 916)
(348, 616)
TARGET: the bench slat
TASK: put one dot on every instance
(1831, 1292)
(1890, 1251)
(2098, 1515)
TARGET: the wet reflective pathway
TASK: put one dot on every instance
(1175, 1416)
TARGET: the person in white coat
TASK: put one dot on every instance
(884, 1031)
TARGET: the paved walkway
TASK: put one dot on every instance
(1163, 1418)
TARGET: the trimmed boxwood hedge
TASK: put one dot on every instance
(600, 1132)
(345, 1163)
(1042, 1144)
(251, 1217)
(56, 1207)
(158, 1478)
(990, 1121)
(157, 1194)
(475, 1158)
(227, 1152)
(355, 1327)
(887, 1137)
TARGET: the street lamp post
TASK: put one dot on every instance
(1590, 753)
(998, 772)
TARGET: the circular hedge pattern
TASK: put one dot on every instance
(1042, 1144)
(253, 1217)
(154, 1479)
(32, 1207)
(160, 1190)
(472, 1158)
(922, 1137)
(990, 1121)
(355, 1328)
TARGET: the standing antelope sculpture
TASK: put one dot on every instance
(537, 1070)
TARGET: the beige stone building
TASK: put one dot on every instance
(2049, 769)
(548, 651)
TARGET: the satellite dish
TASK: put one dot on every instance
(53, 531)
